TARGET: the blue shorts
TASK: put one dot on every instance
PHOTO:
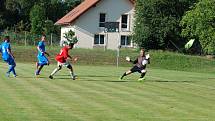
(42, 60)
(10, 61)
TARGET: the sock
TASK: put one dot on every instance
(13, 70)
(54, 72)
(142, 75)
(40, 68)
(72, 74)
(10, 69)
(123, 75)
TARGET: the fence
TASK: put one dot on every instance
(26, 38)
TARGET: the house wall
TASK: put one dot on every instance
(87, 25)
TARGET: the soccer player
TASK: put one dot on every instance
(42, 59)
(140, 65)
(7, 56)
(62, 59)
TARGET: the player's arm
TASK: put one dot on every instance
(39, 49)
(70, 57)
(73, 59)
(148, 61)
(148, 58)
(10, 52)
(43, 52)
(129, 60)
(47, 53)
(134, 62)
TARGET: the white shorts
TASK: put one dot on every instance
(66, 64)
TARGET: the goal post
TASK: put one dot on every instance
(113, 27)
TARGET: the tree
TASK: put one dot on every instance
(8, 16)
(70, 37)
(199, 23)
(157, 22)
(37, 18)
(50, 28)
(15, 13)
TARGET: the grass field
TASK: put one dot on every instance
(159, 59)
(98, 95)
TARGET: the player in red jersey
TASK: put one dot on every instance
(62, 59)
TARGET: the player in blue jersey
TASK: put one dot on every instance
(7, 56)
(42, 59)
(0, 49)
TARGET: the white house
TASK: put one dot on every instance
(88, 21)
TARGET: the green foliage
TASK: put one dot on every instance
(49, 27)
(14, 14)
(70, 37)
(199, 23)
(37, 17)
(2, 21)
(157, 22)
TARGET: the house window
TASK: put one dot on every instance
(102, 20)
(99, 39)
(124, 21)
(125, 41)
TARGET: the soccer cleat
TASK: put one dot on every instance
(36, 73)
(120, 78)
(50, 77)
(141, 79)
(15, 75)
(74, 77)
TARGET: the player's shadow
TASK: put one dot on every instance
(97, 76)
(211, 78)
(120, 81)
(85, 79)
(32, 77)
(172, 81)
(88, 76)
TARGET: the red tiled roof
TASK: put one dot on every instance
(78, 11)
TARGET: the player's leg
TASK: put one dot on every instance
(46, 60)
(9, 70)
(42, 62)
(37, 66)
(12, 66)
(55, 71)
(13, 63)
(126, 73)
(39, 69)
(142, 76)
(69, 66)
(132, 70)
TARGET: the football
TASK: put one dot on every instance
(144, 62)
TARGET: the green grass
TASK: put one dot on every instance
(98, 95)
(159, 59)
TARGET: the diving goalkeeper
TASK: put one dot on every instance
(139, 65)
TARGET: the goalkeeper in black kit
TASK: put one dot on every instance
(140, 65)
